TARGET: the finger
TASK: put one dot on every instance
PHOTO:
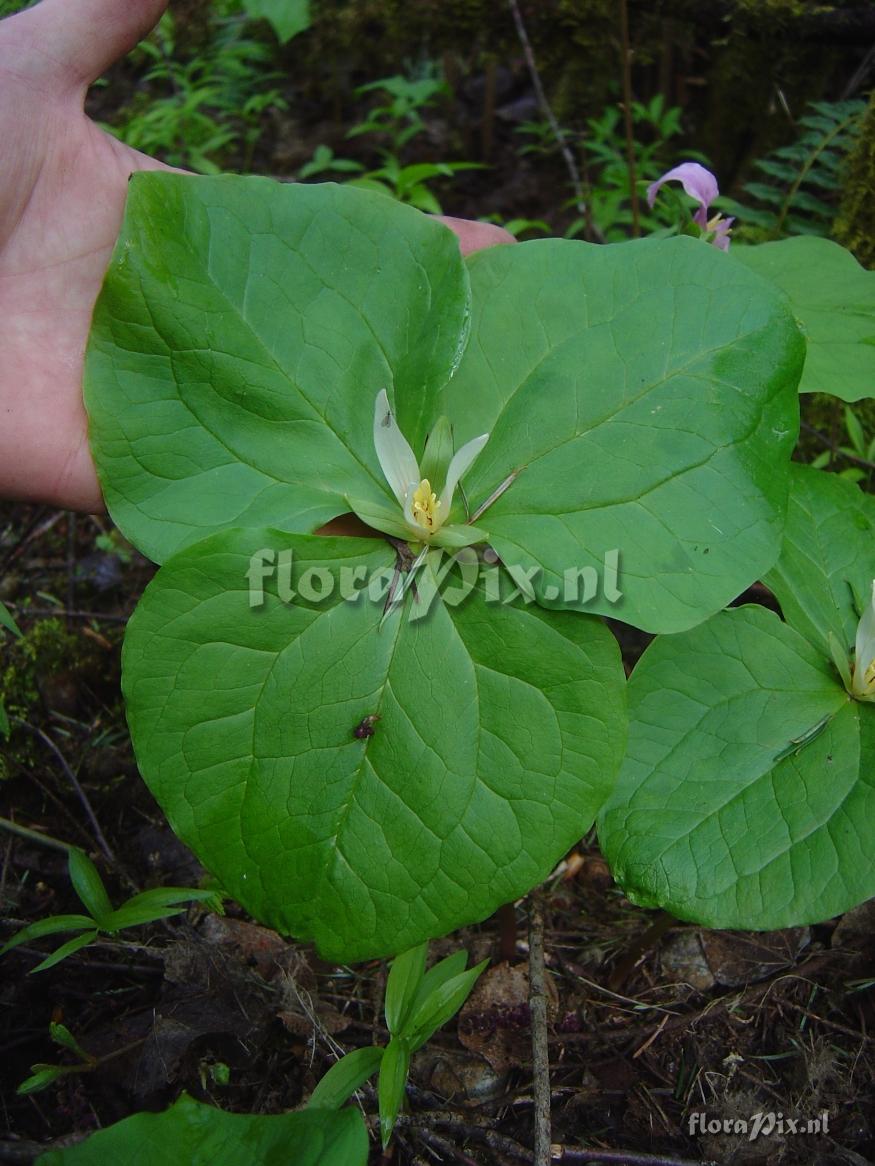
(474, 236)
(77, 40)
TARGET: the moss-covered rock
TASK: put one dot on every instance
(855, 224)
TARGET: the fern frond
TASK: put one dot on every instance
(801, 177)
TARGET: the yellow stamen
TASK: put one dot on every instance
(425, 506)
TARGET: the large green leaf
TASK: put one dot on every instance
(833, 298)
(244, 330)
(645, 393)
(824, 576)
(748, 791)
(488, 736)
(192, 1134)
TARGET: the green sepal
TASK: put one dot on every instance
(840, 659)
(437, 454)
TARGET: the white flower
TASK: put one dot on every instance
(424, 511)
(863, 685)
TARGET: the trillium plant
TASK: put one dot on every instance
(372, 740)
(701, 185)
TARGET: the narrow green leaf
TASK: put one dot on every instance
(66, 949)
(61, 1035)
(394, 1068)
(50, 926)
(42, 1078)
(344, 1077)
(169, 897)
(441, 1005)
(137, 917)
(854, 428)
(88, 885)
(402, 985)
(438, 975)
(6, 621)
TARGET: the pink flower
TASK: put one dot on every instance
(701, 185)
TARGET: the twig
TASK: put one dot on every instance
(494, 496)
(569, 1154)
(74, 781)
(27, 1152)
(37, 528)
(627, 113)
(540, 1053)
(648, 939)
(558, 132)
(846, 1029)
(56, 611)
(833, 447)
(469, 1128)
(436, 1142)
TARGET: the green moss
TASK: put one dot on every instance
(855, 225)
(45, 650)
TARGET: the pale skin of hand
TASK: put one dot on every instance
(63, 183)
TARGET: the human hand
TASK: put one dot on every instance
(62, 193)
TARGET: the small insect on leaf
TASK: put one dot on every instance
(796, 744)
(365, 727)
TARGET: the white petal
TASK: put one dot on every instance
(461, 462)
(395, 455)
(864, 652)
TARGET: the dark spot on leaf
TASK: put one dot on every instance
(365, 727)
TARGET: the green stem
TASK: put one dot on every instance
(627, 117)
(35, 836)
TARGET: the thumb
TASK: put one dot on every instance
(77, 40)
